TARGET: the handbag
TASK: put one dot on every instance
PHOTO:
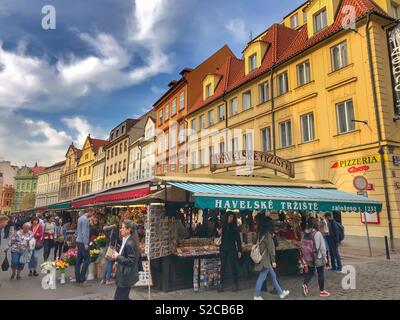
(25, 257)
(111, 249)
(255, 254)
(5, 265)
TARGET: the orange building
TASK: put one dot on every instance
(171, 110)
(6, 196)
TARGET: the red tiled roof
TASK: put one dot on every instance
(285, 43)
(97, 143)
(37, 170)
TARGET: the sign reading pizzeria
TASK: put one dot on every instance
(394, 49)
(252, 158)
(362, 161)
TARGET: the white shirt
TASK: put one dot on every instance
(123, 244)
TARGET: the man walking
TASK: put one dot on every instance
(82, 241)
(3, 223)
(334, 239)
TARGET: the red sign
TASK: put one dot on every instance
(370, 187)
(358, 169)
(397, 185)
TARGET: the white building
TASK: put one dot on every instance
(99, 167)
(7, 173)
(142, 153)
(48, 185)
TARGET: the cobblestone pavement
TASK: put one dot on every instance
(376, 278)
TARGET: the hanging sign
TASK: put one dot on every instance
(394, 52)
(253, 158)
(372, 218)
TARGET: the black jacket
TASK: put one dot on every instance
(127, 271)
(230, 239)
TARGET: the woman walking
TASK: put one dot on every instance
(267, 264)
(49, 235)
(127, 261)
(19, 244)
(313, 252)
(60, 236)
(38, 234)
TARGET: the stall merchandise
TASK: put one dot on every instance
(194, 247)
(206, 274)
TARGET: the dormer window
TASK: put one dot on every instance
(320, 21)
(294, 21)
(395, 10)
(253, 62)
(208, 91)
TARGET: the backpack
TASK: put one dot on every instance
(307, 247)
(255, 254)
(340, 228)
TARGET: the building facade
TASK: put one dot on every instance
(48, 185)
(304, 90)
(141, 150)
(6, 197)
(68, 179)
(171, 110)
(85, 165)
(117, 154)
(25, 186)
(7, 172)
(99, 168)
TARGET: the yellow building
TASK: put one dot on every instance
(85, 165)
(304, 91)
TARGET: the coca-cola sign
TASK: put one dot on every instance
(394, 51)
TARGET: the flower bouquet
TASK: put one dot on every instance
(61, 265)
(94, 254)
(70, 257)
(100, 241)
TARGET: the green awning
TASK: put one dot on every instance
(60, 206)
(218, 196)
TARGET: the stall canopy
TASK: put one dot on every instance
(60, 206)
(220, 196)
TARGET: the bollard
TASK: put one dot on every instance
(387, 248)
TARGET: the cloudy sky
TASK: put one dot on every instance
(107, 60)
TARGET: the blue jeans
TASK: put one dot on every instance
(82, 263)
(15, 264)
(336, 261)
(261, 278)
(107, 270)
(34, 260)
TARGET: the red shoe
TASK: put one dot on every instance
(324, 294)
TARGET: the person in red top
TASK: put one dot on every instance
(38, 233)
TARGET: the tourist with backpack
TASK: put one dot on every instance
(336, 236)
(313, 253)
(263, 255)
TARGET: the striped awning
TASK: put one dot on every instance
(220, 196)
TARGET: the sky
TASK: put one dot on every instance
(105, 61)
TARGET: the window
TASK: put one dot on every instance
(395, 10)
(182, 101)
(80, 175)
(345, 116)
(116, 150)
(235, 144)
(166, 141)
(320, 21)
(283, 83)
(202, 122)
(120, 148)
(248, 141)
(253, 62)
(234, 107)
(159, 144)
(221, 113)
(211, 118)
(166, 112)
(305, 17)
(208, 91)
(119, 166)
(286, 134)
(123, 130)
(194, 160)
(294, 21)
(126, 146)
(86, 156)
(307, 127)
(202, 157)
(173, 137)
(181, 133)
(303, 73)
(264, 92)
(124, 167)
(222, 147)
(112, 153)
(180, 164)
(160, 117)
(115, 168)
(193, 125)
(339, 56)
(173, 107)
(246, 100)
(266, 139)
(117, 134)
(89, 170)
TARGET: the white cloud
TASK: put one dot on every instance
(34, 83)
(237, 28)
(81, 127)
